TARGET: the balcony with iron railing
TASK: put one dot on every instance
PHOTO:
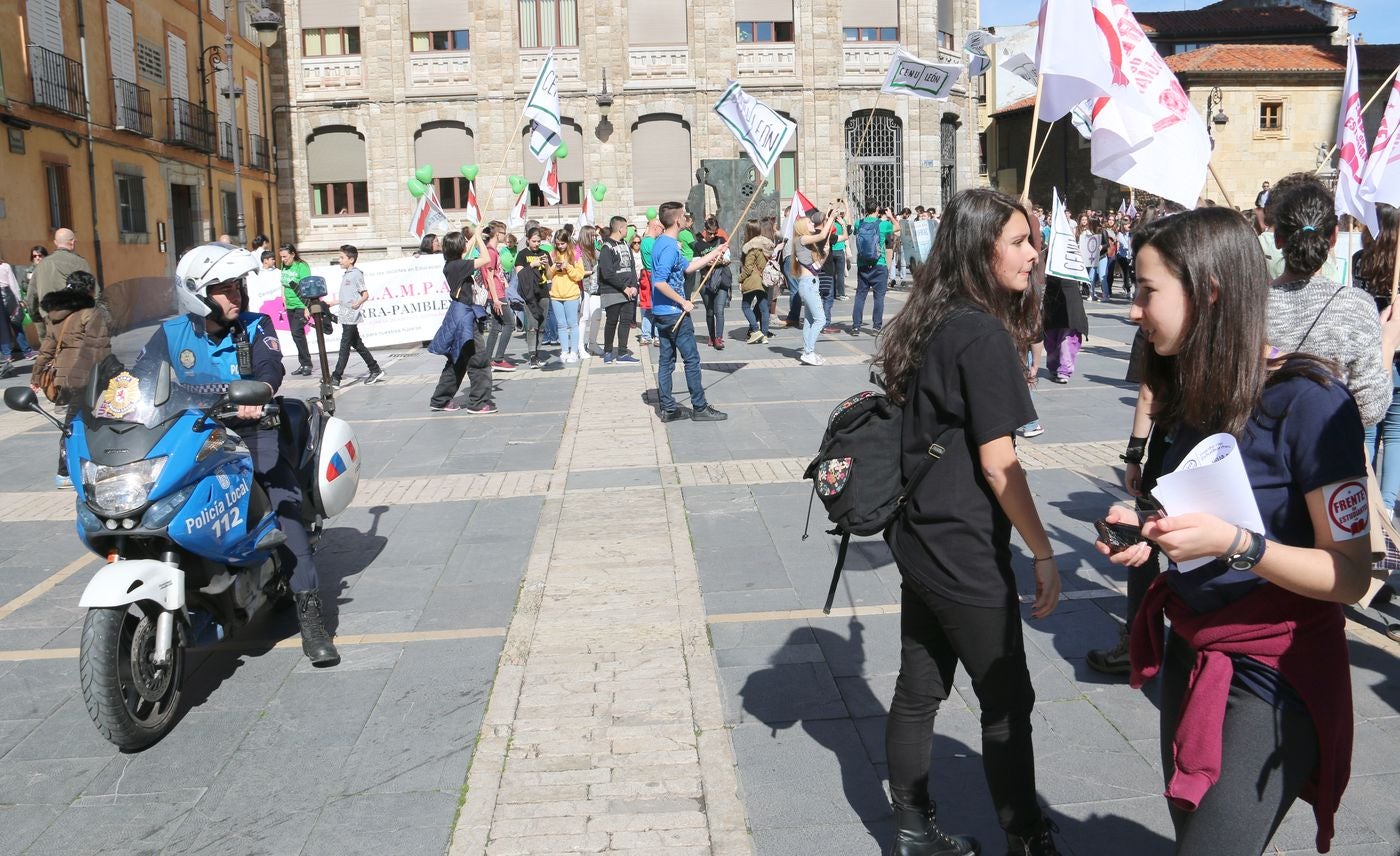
(58, 81)
(131, 108)
(226, 137)
(189, 125)
(257, 147)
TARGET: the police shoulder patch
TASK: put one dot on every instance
(271, 342)
(187, 358)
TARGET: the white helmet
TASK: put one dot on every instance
(206, 265)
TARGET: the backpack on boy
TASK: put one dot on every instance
(868, 249)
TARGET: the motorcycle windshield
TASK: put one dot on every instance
(133, 374)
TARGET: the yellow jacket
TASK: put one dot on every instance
(564, 285)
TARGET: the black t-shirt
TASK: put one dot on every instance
(954, 538)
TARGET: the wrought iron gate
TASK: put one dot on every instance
(948, 158)
(876, 171)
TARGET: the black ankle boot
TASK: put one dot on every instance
(916, 834)
(1036, 843)
(315, 641)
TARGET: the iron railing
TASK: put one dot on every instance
(258, 146)
(58, 81)
(131, 108)
(226, 136)
(189, 125)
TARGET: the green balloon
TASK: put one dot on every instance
(416, 187)
(562, 152)
(598, 192)
(518, 183)
(424, 173)
(547, 247)
(631, 232)
(651, 213)
(469, 172)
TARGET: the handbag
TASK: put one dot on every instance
(47, 377)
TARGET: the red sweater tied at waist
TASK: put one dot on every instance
(1302, 639)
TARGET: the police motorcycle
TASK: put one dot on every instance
(166, 494)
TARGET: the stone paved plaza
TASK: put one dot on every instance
(568, 628)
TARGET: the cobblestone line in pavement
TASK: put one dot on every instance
(604, 731)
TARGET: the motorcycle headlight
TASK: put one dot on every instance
(120, 490)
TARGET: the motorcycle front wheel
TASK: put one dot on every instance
(132, 700)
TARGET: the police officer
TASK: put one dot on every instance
(217, 342)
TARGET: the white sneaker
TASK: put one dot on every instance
(569, 358)
(812, 359)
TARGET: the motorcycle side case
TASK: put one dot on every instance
(338, 467)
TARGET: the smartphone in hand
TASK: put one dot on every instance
(1118, 536)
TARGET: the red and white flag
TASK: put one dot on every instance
(519, 212)
(1081, 55)
(549, 182)
(1380, 183)
(473, 210)
(586, 216)
(1352, 152)
(428, 216)
(800, 206)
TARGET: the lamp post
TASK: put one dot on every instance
(1213, 100)
(605, 101)
(266, 22)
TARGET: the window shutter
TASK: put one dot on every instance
(121, 41)
(336, 156)
(252, 102)
(329, 13)
(446, 148)
(763, 10)
(45, 24)
(656, 22)
(429, 15)
(217, 7)
(179, 66)
(871, 13)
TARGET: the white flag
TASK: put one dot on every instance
(1080, 56)
(1149, 137)
(799, 208)
(542, 109)
(1062, 258)
(1380, 183)
(428, 216)
(1351, 143)
(519, 212)
(909, 75)
(761, 130)
(549, 182)
(472, 214)
(976, 47)
(1022, 66)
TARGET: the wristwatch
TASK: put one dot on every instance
(1249, 555)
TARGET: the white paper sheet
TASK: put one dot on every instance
(1211, 480)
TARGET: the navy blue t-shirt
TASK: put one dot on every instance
(1302, 436)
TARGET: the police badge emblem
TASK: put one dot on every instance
(121, 397)
(187, 358)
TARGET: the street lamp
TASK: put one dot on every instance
(605, 100)
(266, 22)
(1214, 99)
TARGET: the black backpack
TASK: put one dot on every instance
(858, 473)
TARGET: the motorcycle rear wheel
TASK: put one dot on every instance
(132, 700)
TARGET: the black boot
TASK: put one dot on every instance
(1036, 843)
(916, 834)
(315, 641)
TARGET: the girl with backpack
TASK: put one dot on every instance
(1255, 693)
(757, 251)
(953, 358)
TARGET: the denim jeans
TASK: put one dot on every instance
(755, 307)
(715, 302)
(565, 314)
(839, 289)
(677, 333)
(807, 289)
(871, 280)
(1100, 276)
(648, 327)
(550, 331)
(1387, 462)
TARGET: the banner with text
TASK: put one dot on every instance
(760, 129)
(909, 75)
(1063, 259)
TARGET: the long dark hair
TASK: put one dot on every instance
(959, 270)
(1214, 381)
(1374, 268)
(1305, 225)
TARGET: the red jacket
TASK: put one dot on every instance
(1302, 638)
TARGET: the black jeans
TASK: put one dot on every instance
(617, 325)
(498, 339)
(936, 635)
(296, 319)
(279, 480)
(1267, 754)
(350, 338)
(839, 259)
(474, 362)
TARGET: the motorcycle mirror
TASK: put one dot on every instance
(247, 393)
(312, 287)
(21, 398)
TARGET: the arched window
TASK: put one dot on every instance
(335, 157)
(446, 147)
(661, 159)
(875, 150)
(570, 168)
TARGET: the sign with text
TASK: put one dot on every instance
(1062, 258)
(761, 130)
(909, 75)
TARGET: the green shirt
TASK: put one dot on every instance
(647, 243)
(687, 242)
(840, 245)
(507, 260)
(886, 229)
(291, 275)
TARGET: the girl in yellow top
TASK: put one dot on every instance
(565, 274)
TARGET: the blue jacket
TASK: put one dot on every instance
(458, 328)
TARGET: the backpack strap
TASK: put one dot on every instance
(836, 574)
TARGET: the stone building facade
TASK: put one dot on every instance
(443, 83)
(130, 142)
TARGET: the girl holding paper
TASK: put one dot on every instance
(1256, 694)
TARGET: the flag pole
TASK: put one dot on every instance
(1394, 277)
(1385, 84)
(752, 199)
(476, 235)
(1224, 194)
(1030, 149)
(864, 134)
(1043, 143)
